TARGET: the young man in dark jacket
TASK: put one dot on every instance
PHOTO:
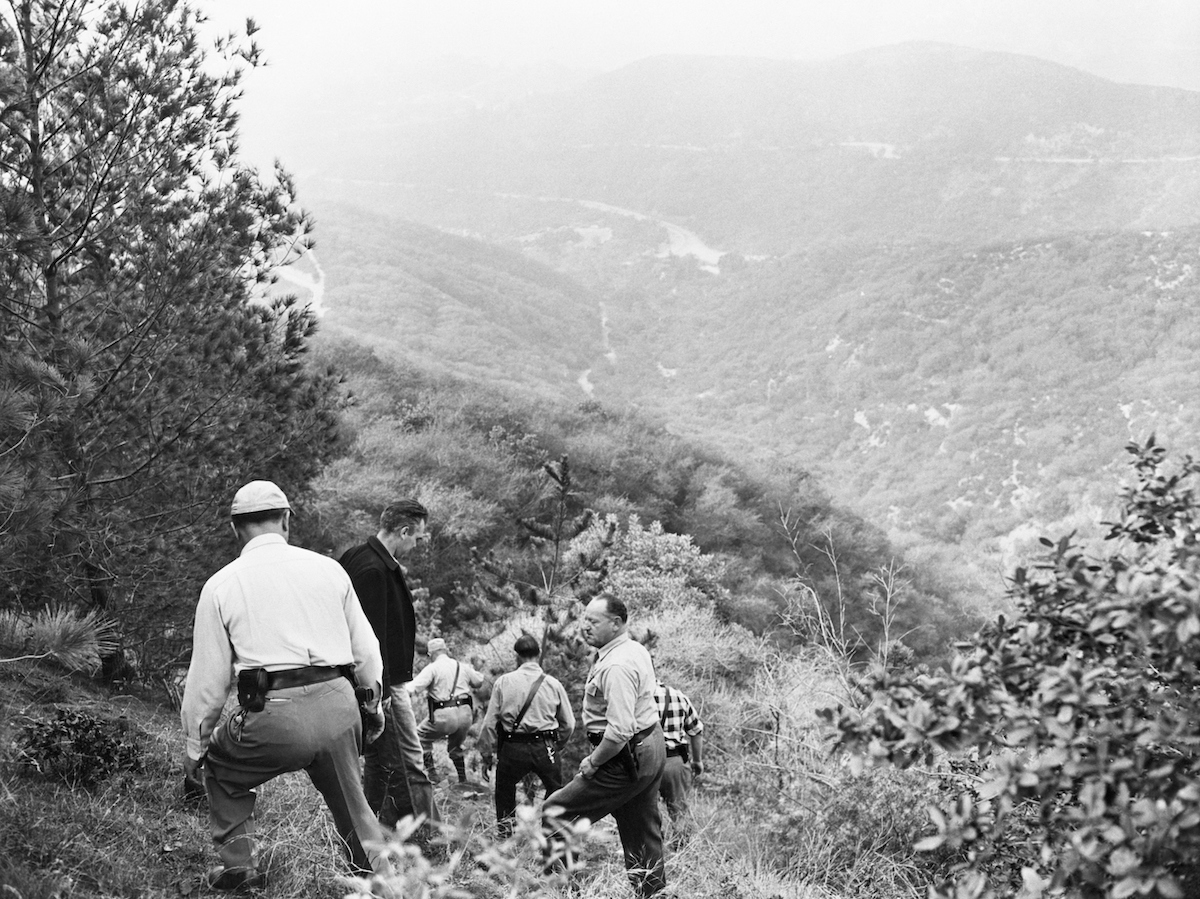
(394, 778)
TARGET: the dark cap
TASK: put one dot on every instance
(527, 646)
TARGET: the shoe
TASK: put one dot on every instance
(235, 879)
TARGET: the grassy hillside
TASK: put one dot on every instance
(455, 305)
(82, 819)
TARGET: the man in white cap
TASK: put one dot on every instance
(447, 685)
(286, 621)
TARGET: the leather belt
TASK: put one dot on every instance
(450, 703)
(595, 738)
(532, 736)
(677, 750)
(302, 677)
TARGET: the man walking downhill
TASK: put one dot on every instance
(622, 774)
(287, 621)
(396, 783)
(528, 720)
(682, 732)
(446, 684)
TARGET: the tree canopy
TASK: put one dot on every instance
(141, 375)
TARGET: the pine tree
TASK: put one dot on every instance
(142, 373)
(542, 579)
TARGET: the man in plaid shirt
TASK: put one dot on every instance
(682, 731)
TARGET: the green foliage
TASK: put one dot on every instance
(1084, 708)
(76, 642)
(79, 748)
(648, 568)
(476, 456)
(141, 377)
(692, 646)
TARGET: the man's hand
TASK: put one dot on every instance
(374, 722)
(193, 778)
(192, 769)
(697, 768)
(587, 767)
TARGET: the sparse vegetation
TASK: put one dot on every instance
(146, 366)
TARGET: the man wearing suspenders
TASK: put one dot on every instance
(682, 730)
(447, 685)
(529, 720)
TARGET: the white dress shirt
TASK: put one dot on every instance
(276, 607)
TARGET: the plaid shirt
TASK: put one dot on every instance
(678, 717)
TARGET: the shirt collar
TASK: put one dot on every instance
(384, 553)
(612, 644)
(263, 540)
(530, 666)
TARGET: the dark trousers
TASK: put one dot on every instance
(633, 803)
(517, 760)
(316, 729)
(396, 783)
(675, 787)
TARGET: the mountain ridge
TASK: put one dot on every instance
(958, 344)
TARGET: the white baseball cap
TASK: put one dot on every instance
(258, 496)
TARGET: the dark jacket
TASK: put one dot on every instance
(387, 601)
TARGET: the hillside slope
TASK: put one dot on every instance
(947, 390)
(953, 283)
(456, 305)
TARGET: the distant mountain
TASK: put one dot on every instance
(951, 283)
(916, 141)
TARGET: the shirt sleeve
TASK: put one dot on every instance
(208, 675)
(487, 730)
(368, 662)
(565, 714)
(692, 725)
(474, 678)
(620, 693)
(424, 679)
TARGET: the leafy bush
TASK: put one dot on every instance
(79, 748)
(1085, 710)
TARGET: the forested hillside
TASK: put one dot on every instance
(966, 394)
(950, 283)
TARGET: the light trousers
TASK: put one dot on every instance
(314, 728)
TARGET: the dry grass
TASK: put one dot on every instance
(134, 836)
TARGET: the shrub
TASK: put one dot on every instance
(79, 748)
(1085, 710)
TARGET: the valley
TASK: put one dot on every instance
(953, 304)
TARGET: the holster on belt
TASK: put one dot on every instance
(252, 686)
(626, 758)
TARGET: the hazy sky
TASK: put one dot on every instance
(1145, 41)
(356, 43)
